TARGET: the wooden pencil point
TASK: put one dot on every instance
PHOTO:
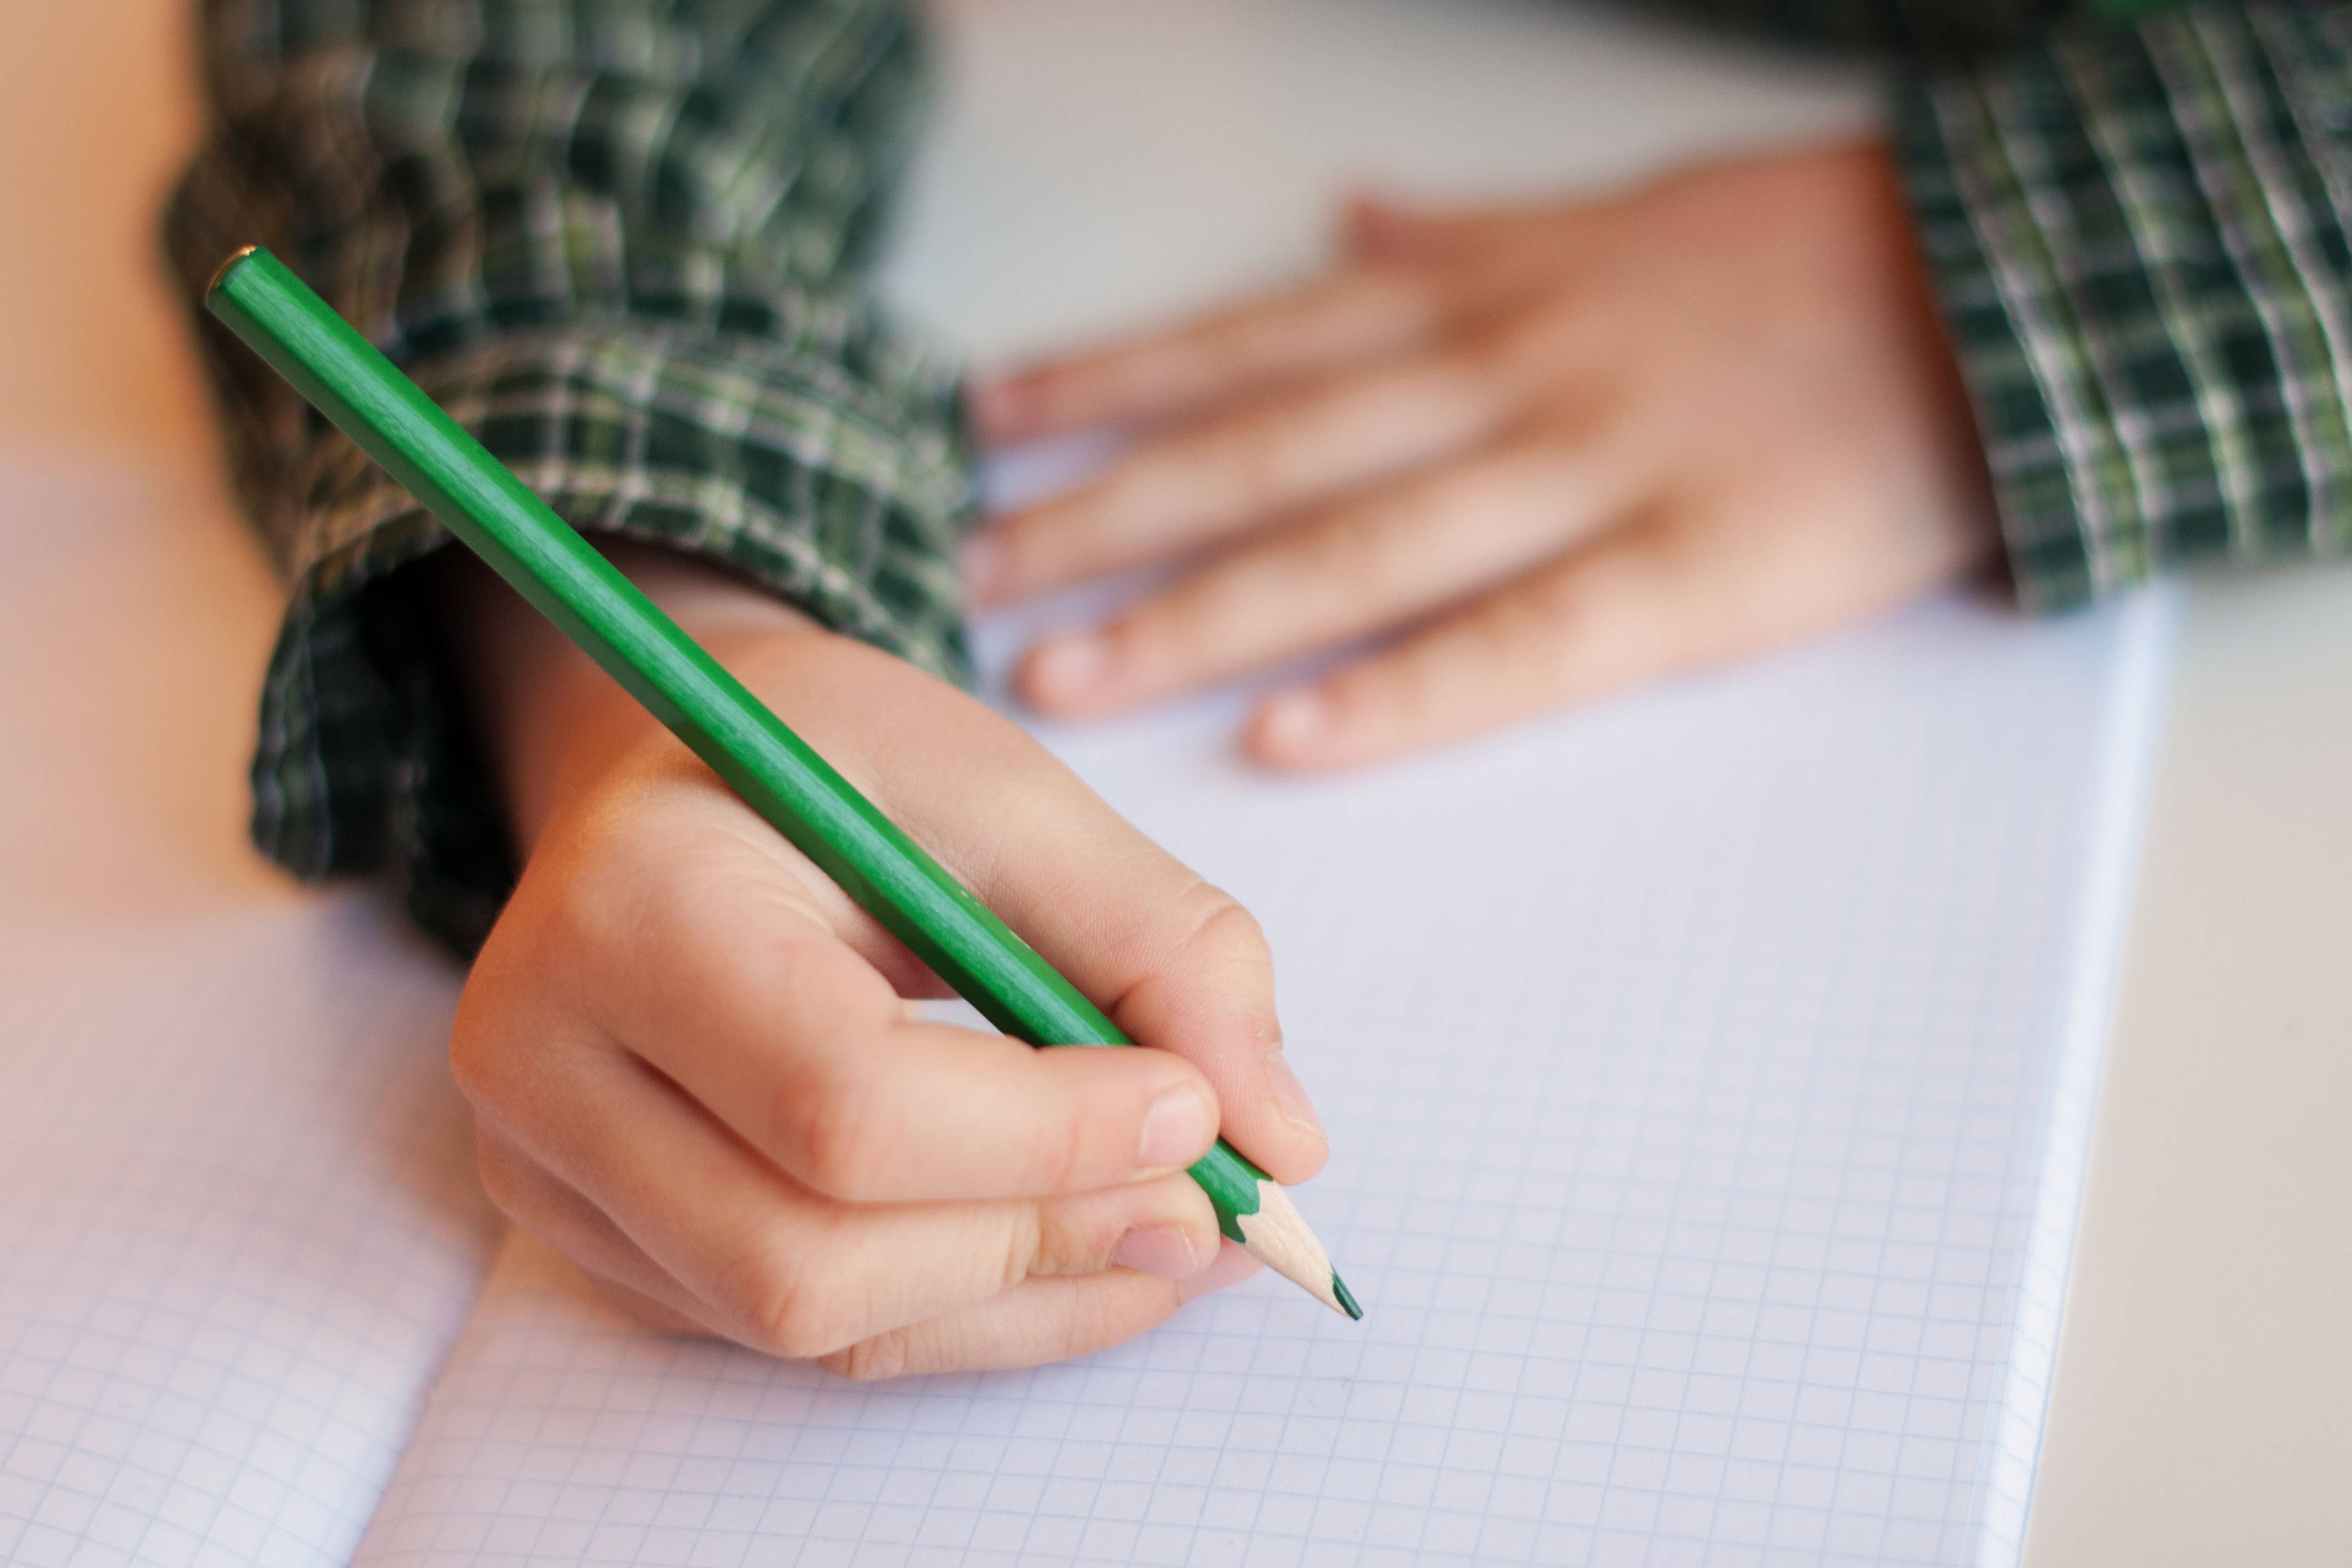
(1277, 1235)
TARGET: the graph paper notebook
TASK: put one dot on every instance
(1712, 1202)
(1713, 1206)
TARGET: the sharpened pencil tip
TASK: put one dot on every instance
(1347, 1301)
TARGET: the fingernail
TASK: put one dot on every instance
(1290, 1095)
(1294, 718)
(1067, 667)
(1162, 1250)
(1177, 1130)
(1230, 1267)
(983, 566)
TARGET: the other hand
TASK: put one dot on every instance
(1546, 451)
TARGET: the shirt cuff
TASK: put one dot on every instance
(804, 447)
(2137, 239)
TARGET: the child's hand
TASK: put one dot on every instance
(693, 1072)
(1567, 448)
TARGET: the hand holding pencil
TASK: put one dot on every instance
(687, 1052)
(685, 1040)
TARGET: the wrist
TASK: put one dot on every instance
(548, 721)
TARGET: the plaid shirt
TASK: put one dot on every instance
(621, 240)
(2139, 236)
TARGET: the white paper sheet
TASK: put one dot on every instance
(239, 1230)
(239, 1223)
(1709, 1079)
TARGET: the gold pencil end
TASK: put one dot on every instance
(222, 270)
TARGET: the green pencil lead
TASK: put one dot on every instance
(1347, 1301)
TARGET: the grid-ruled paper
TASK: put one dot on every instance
(238, 1230)
(1708, 1079)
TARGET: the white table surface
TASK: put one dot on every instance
(2200, 1410)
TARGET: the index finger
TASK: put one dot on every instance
(1356, 315)
(756, 1007)
(1174, 961)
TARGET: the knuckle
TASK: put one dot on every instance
(1220, 931)
(1040, 542)
(1135, 496)
(1409, 295)
(1509, 358)
(651, 1311)
(1056, 1162)
(502, 1178)
(1060, 1244)
(1078, 1321)
(871, 1360)
(1476, 369)
(500, 1056)
(1484, 350)
(583, 901)
(836, 1133)
(1543, 641)
(1252, 340)
(473, 1051)
(1185, 630)
(1201, 920)
(1204, 937)
(1555, 603)
(1351, 559)
(512, 1007)
(1029, 1242)
(1521, 637)
(1096, 1317)
(786, 1309)
(654, 860)
(1407, 691)
(1228, 948)
(596, 878)
(1257, 460)
(677, 915)
(1501, 488)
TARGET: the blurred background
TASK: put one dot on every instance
(121, 794)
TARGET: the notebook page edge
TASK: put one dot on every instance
(2133, 727)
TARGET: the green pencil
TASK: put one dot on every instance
(563, 576)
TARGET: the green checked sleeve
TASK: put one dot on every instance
(619, 240)
(2137, 229)
(2135, 213)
